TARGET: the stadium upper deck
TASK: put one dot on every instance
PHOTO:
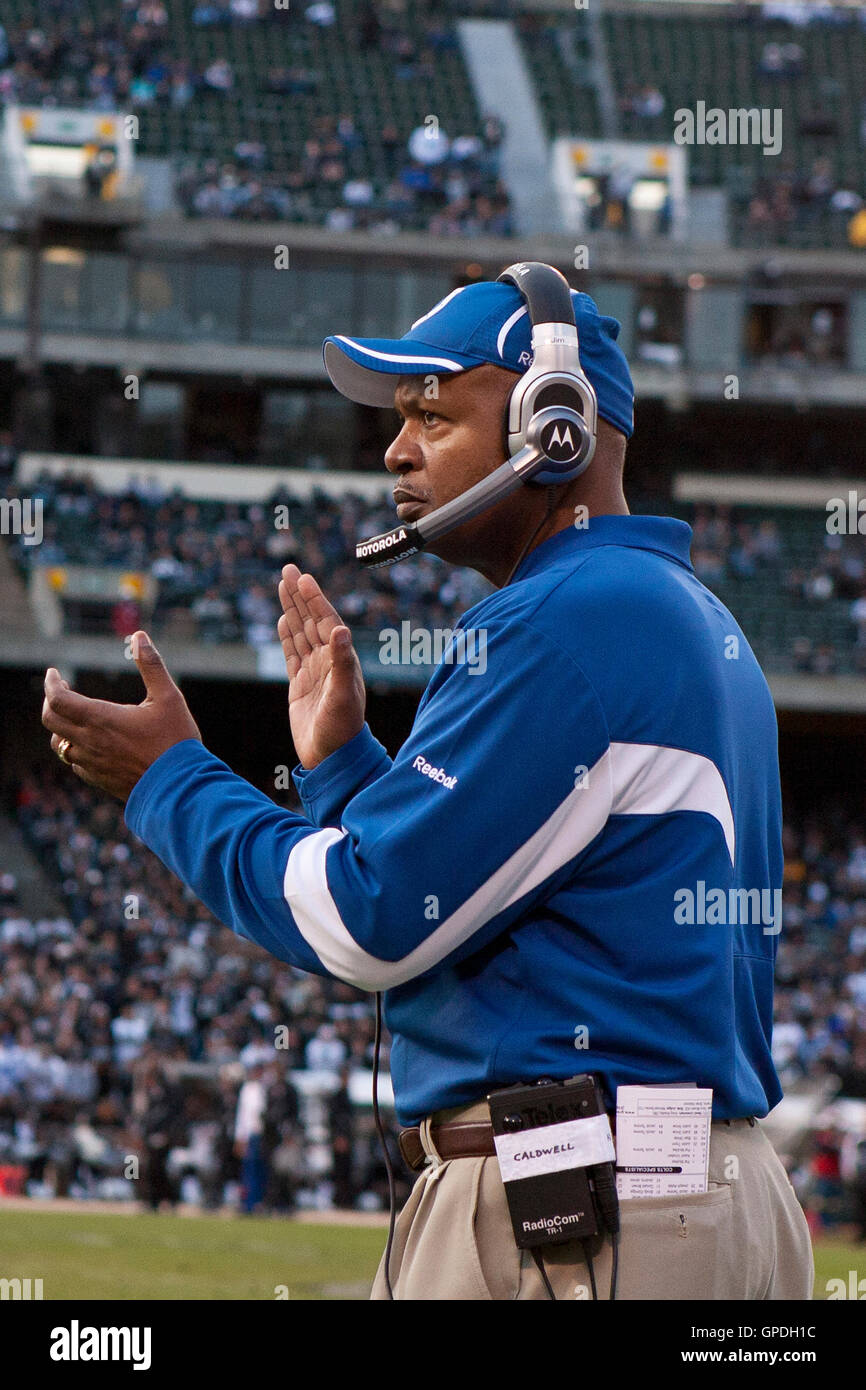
(307, 113)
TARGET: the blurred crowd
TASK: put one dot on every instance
(426, 179)
(726, 547)
(838, 574)
(832, 578)
(798, 335)
(445, 186)
(218, 564)
(78, 54)
(831, 1179)
(820, 1026)
(821, 967)
(71, 57)
(807, 204)
(802, 205)
(148, 1052)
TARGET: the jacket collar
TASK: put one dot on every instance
(663, 534)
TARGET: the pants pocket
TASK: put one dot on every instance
(678, 1248)
(495, 1249)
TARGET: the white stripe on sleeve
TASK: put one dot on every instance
(628, 779)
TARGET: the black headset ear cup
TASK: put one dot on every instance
(558, 394)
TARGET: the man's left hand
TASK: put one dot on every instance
(112, 746)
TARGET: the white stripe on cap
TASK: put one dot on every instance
(507, 327)
(400, 357)
(441, 305)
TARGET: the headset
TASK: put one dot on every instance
(550, 424)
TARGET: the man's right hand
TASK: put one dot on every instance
(326, 687)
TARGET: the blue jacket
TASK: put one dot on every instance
(573, 863)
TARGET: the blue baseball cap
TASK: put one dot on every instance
(484, 322)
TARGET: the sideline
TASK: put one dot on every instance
(69, 1206)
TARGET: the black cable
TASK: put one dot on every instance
(552, 500)
(614, 1262)
(603, 1183)
(591, 1267)
(389, 1169)
(539, 1260)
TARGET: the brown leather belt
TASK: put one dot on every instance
(469, 1139)
(454, 1139)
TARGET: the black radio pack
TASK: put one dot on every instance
(557, 1159)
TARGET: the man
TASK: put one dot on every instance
(160, 1109)
(249, 1132)
(511, 879)
(341, 1126)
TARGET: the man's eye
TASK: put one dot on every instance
(430, 418)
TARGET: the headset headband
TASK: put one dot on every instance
(546, 291)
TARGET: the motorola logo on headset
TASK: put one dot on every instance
(558, 441)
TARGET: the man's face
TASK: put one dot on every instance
(447, 442)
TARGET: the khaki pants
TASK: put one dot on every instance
(745, 1238)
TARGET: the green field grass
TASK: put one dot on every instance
(833, 1260)
(89, 1255)
(96, 1256)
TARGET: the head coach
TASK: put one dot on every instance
(510, 879)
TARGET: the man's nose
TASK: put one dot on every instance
(403, 453)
